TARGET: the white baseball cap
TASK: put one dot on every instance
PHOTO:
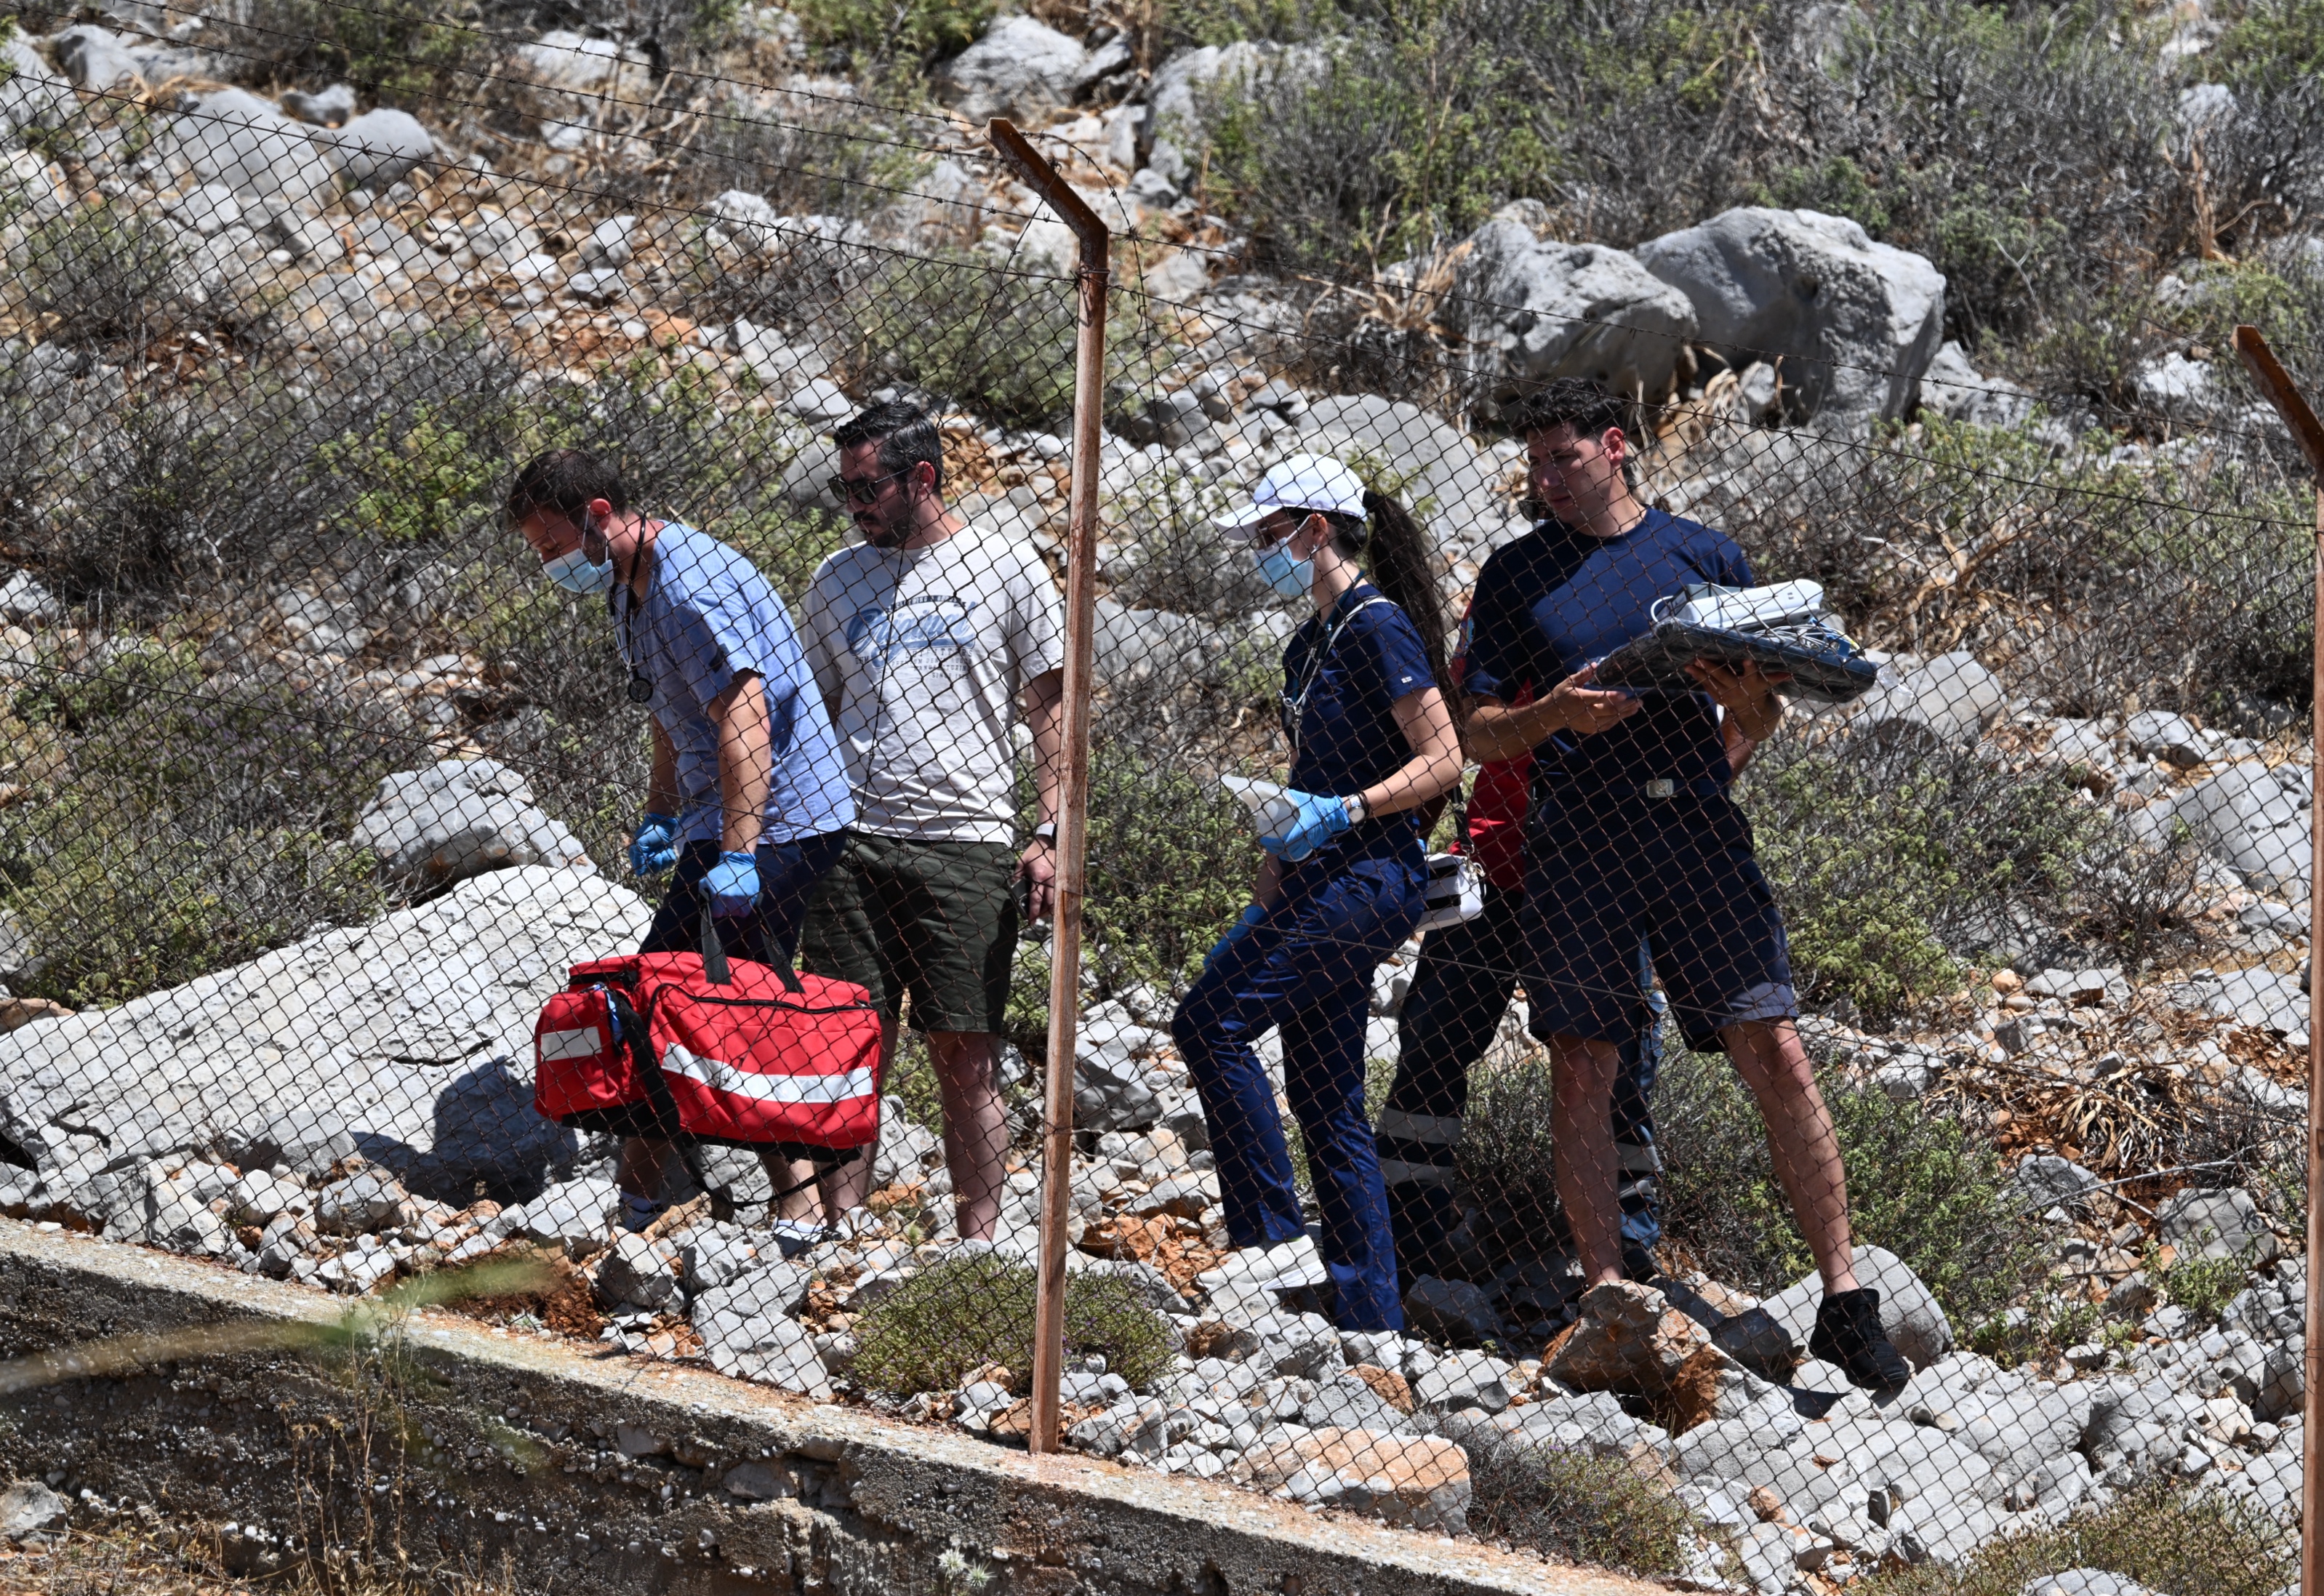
(1302, 482)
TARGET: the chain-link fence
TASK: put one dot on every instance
(541, 707)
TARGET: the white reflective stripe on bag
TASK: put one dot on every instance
(1455, 892)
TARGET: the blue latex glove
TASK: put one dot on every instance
(733, 885)
(654, 847)
(1252, 915)
(1318, 821)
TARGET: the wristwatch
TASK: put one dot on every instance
(1046, 832)
(1355, 808)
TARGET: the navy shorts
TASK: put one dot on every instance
(1679, 874)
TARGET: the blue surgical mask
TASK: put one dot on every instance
(1293, 578)
(577, 573)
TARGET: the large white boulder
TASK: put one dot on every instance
(234, 138)
(1534, 309)
(409, 1040)
(96, 58)
(560, 58)
(2254, 818)
(1854, 323)
(376, 147)
(1018, 69)
(30, 95)
(1179, 99)
(459, 818)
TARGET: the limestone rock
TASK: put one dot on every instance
(637, 1271)
(1949, 700)
(364, 1200)
(400, 1039)
(1534, 309)
(573, 1216)
(744, 1334)
(378, 148)
(2223, 1223)
(1421, 1480)
(1855, 323)
(1628, 1338)
(2254, 818)
(1908, 1312)
(1183, 87)
(459, 818)
(1017, 69)
(234, 138)
(31, 96)
(561, 58)
(325, 108)
(29, 1508)
(1952, 388)
(96, 59)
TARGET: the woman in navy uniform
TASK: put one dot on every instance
(1372, 739)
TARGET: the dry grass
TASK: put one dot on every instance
(159, 1559)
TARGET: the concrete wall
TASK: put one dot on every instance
(159, 1382)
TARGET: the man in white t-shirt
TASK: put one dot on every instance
(928, 639)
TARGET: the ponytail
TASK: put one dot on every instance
(1394, 552)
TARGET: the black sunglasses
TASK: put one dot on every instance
(865, 490)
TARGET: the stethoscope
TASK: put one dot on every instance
(641, 689)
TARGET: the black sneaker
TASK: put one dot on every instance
(1848, 1333)
(1638, 1264)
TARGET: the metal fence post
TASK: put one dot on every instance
(1072, 791)
(2275, 382)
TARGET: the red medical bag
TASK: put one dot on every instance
(656, 1044)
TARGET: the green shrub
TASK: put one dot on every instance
(2203, 1286)
(1412, 131)
(103, 272)
(2163, 1538)
(880, 39)
(398, 53)
(1578, 1509)
(1883, 860)
(182, 826)
(999, 342)
(1916, 1185)
(962, 1313)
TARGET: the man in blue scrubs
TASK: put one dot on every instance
(748, 797)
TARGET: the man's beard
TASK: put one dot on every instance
(881, 532)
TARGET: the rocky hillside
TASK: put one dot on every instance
(313, 789)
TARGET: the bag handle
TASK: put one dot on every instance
(721, 974)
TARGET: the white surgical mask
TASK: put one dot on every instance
(1293, 578)
(577, 573)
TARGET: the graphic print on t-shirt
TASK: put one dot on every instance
(932, 621)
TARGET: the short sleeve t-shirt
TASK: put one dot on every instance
(1552, 602)
(1338, 711)
(708, 617)
(925, 653)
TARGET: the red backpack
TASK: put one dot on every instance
(659, 1045)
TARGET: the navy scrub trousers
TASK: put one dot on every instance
(1306, 969)
(1468, 974)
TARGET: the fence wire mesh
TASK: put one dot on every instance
(356, 877)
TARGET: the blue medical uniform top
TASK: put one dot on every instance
(1555, 600)
(707, 617)
(1345, 738)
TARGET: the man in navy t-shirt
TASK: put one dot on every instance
(1633, 834)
